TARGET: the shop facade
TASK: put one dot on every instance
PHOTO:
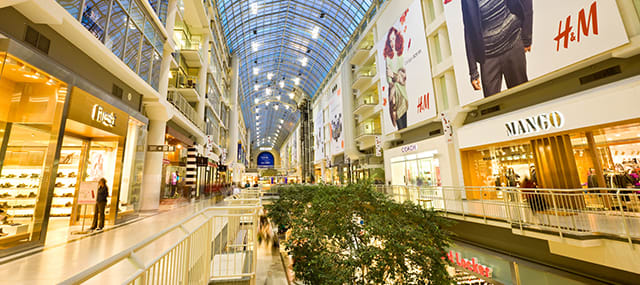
(174, 166)
(590, 139)
(59, 135)
(470, 264)
(422, 163)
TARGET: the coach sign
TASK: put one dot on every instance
(535, 124)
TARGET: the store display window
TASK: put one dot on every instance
(133, 166)
(31, 104)
(420, 169)
(596, 157)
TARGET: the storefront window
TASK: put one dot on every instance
(597, 158)
(31, 104)
(415, 170)
(504, 166)
(132, 168)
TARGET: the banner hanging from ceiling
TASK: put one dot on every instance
(335, 117)
(318, 134)
(497, 45)
(406, 86)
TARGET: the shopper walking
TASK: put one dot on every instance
(101, 204)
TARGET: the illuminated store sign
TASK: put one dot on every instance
(469, 264)
(99, 115)
(535, 124)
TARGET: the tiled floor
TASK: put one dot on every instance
(59, 262)
(269, 261)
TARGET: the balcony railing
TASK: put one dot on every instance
(563, 212)
(217, 244)
(367, 71)
(368, 129)
(181, 81)
(185, 108)
(367, 99)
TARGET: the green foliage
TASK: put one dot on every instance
(395, 243)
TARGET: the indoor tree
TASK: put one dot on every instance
(356, 235)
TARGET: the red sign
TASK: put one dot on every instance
(471, 265)
(585, 24)
(423, 103)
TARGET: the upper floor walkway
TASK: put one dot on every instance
(197, 243)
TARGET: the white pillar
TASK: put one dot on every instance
(232, 148)
(152, 179)
(166, 55)
(202, 74)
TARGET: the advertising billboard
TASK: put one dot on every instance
(318, 134)
(406, 86)
(265, 160)
(335, 117)
(507, 43)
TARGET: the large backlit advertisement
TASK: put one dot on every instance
(406, 86)
(318, 134)
(500, 44)
(336, 118)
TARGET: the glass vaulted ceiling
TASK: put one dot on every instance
(286, 48)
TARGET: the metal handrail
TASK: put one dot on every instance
(203, 234)
(185, 108)
(589, 211)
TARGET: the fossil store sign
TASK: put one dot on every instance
(88, 110)
(535, 124)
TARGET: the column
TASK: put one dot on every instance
(166, 55)
(202, 74)
(152, 175)
(232, 152)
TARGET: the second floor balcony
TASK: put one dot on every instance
(365, 103)
(190, 47)
(366, 132)
(185, 84)
(363, 77)
(177, 100)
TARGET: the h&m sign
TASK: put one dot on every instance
(535, 124)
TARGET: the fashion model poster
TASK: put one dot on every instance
(318, 134)
(335, 117)
(406, 86)
(506, 43)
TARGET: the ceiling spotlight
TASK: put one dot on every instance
(268, 91)
(254, 9)
(256, 87)
(270, 75)
(296, 81)
(282, 84)
(278, 98)
(255, 46)
(256, 100)
(315, 32)
(256, 71)
(304, 61)
(275, 107)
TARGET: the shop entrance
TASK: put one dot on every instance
(87, 155)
